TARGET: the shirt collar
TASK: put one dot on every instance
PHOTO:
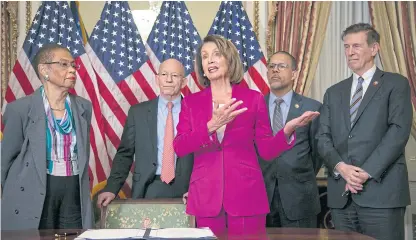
(176, 102)
(286, 98)
(367, 76)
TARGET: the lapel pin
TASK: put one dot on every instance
(375, 83)
(296, 105)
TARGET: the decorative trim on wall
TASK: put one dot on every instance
(28, 15)
(9, 35)
(256, 18)
(5, 49)
(12, 8)
(270, 28)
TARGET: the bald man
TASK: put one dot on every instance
(148, 139)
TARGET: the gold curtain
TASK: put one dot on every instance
(396, 23)
(299, 28)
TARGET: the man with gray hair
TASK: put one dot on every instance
(364, 127)
(147, 140)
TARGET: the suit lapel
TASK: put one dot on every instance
(152, 125)
(295, 107)
(345, 102)
(37, 134)
(369, 94)
(207, 103)
(81, 128)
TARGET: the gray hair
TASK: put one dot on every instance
(46, 54)
(372, 34)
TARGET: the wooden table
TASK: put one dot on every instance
(272, 234)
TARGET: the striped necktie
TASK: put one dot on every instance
(356, 100)
(277, 116)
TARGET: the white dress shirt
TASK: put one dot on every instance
(367, 76)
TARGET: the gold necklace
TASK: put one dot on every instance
(58, 109)
(54, 109)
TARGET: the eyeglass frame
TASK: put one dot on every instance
(280, 66)
(61, 64)
(166, 75)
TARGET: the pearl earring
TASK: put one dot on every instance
(46, 77)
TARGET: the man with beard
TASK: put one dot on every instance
(291, 179)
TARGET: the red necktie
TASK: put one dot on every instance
(168, 157)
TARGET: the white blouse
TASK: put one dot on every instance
(221, 130)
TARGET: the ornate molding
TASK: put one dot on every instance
(271, 25)
(256, 18)
(4, 49)
(28, 15)
(12, 8)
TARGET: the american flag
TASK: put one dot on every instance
(174, 36)
(233, 23)
(54, 23)
(124, 74)
(74, 5)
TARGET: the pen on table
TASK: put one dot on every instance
(65, 234)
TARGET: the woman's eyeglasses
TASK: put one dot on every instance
(65, 64)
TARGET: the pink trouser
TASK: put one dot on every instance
(247, 226)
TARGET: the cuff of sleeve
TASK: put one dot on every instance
(212, 136)
(290, 139)
(207, 139)
(374, 175)
(335, 171)
(111, 188)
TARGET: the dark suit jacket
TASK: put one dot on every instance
(296, 168)
(139, 139)
(375, 142)
(23, 161)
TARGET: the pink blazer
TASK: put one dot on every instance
(227, 174)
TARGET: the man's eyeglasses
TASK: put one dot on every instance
(279, 66)
(65, 64)
(173, 76)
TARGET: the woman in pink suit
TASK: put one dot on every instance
(222, 125)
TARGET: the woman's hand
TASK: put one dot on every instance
(225, 114)
(185, 198)
(301, 121)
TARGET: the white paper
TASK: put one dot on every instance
(182, 233)
(111, 234)
(139, 233)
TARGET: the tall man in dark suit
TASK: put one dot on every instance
(148, 138)
(365, 123)
(291, 178)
